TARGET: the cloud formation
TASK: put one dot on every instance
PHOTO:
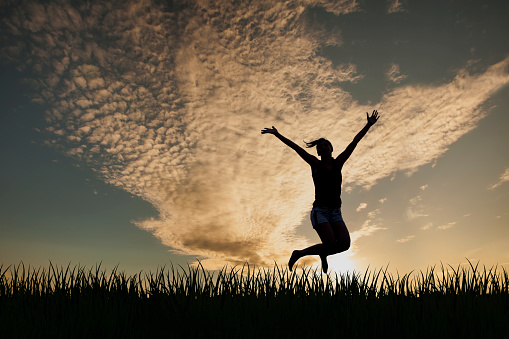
(395, 6)
(393, 73)
(167, 101)
(405, 239)
(415, 208)
(503, 178)
(427, 226)
(372, 224)
(362, 206)
(447, 226)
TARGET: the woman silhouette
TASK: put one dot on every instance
(326, 213)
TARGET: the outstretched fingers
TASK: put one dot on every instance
(373, 118)
(272, 130)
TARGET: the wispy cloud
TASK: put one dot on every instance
(369, 227)
(427, 226)
(416, 208)
(447, 226)
(337, 7)
(503, 178)
(373, 224)
(394, 74)
(395, 6)
(406, 239)
(428, 120)
(362, 206)
(167, 104)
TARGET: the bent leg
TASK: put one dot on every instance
(342, 237)
(328, 238)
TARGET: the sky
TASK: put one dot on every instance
(131, 131)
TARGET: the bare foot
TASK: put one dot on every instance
(295, 256)
(325, 264)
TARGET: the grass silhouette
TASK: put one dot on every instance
(252, 302)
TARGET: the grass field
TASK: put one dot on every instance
(244, 302)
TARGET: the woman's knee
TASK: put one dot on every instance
(342, 245)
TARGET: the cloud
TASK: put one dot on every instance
(416, 209)
(362, 206)
(427, 226)
(337, 7)
(447, 226)
(395, 6)
(374, 213)
(394, 74)
(368, 228)
(419, 123)
(167, 103)
(406, 239)
(503, 178)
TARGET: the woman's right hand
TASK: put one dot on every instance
(272, 130)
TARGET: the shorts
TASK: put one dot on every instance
(325, 214)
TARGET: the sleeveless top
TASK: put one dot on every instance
(327, 185)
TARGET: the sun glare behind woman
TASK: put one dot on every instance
(342, 263)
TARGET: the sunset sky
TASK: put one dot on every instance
(131, 131)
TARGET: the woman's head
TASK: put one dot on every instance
(323, 146)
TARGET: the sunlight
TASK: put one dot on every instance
(338, 263)
(341, 263)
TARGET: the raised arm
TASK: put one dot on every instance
(310, 159)
(349, 149)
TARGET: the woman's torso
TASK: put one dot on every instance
(327, 180)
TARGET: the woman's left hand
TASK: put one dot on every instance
(373, 118)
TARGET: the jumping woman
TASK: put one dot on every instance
(326, 213)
